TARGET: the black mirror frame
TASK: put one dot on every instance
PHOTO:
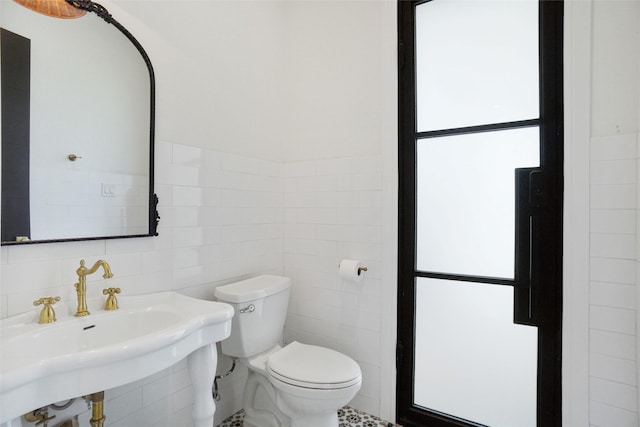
(154, 217)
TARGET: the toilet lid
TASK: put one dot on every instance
(310, 366)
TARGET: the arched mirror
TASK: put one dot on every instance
(77, 128)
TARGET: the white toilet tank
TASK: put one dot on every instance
(260, 306)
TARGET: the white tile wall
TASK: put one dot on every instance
(225, 216)
(332, 211)
(614, 127)
(221, 218)
(612, 291)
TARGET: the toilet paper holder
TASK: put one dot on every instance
(360, 269)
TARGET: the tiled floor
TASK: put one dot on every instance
(347, 417)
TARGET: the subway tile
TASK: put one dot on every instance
(612, 319)
(290, 185)
(17, 278)
(264, 183)
(370, 380)
(613, 172)
(367, 182)
(601, 415)
(369, 347)
(316, 247)
(240, 233)
(619, 196)
(613, 147)
(613, 270)
(210, 196)
(317, 183)
(621, 246)
(126, 404)
(301, 231)
(316, 216)
(155, 390)
(183, 277)
(367, 165)
(183, 175)
(187, 236)
(303, 168)
(342, 199)
(337, 232)
(164, 386)
(339, 166)
(359, 250)
(614, 394)
(369, 234)
(213, 178)
(613, 221)
(4, 306)
(186, 257)
(344, 182)
(185, 216)
(138, 244)
(613, 295)
(180, 417)
(241, 164)
(369, 199)
(612, 368)
(366, 216)
(163, 153)
(212, 160)
(613, 344)
(182, 399)
(300, 200)
(55, 251)
(187, 196)
(260, 215)
(158, 281)
(185, 155)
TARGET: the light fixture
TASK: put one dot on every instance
(54, 8)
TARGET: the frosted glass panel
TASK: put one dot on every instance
(471, 360)
(476, 62)
(465, 200)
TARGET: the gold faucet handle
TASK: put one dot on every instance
(112, 301)
(40, 416)
(47, 315)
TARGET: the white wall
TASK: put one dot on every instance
(613, 363)
(340, 184)
(601, 230)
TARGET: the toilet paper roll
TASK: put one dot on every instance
(351, 269)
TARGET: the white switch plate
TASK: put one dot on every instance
(108, 190)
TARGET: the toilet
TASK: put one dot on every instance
(298, 385)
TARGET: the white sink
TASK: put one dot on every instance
(76, 356)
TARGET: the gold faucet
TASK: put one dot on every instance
(81, 286)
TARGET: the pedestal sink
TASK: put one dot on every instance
(75, 356)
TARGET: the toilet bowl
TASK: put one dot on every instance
(298, 385)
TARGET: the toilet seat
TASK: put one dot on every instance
(313, 367)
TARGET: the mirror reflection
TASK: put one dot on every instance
(89, 131)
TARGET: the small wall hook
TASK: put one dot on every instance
(73, 157)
